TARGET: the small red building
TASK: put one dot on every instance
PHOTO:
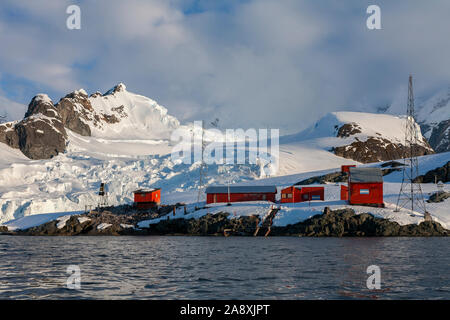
(301, 194)
(216, 194)
(147, 198)
(365, 186)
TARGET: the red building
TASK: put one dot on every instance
(301, 194)
(365, 186)
(147, 198)
(216, 194)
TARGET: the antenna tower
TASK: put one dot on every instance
(410, 194)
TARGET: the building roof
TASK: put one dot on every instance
(312, 186)
(242, 189)
(366, 175)
(145, 190)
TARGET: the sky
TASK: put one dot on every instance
(251, 63)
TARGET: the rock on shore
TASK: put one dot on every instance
(345, 223)
(332, 223)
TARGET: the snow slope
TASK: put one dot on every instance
(435, 109)
(324, 131)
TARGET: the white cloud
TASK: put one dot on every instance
(261, 63)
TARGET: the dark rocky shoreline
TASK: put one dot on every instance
(332, 223)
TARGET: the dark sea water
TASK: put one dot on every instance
(223, 268)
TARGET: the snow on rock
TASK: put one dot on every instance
(236, 210)
(387, 126)
(103, 226)
(434, 117)
(126, 226)
(44, 98)
(62, 221)
(363, 137)
(35, 220)
(82, 220)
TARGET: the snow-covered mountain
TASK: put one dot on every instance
(121, 138)
(433, 116)
(363, 137)
(118, 114)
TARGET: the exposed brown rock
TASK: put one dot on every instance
(41, 134)
(348, 130)
(8, 134)
(376, 149)
(41, 137)
(73, 109)
(41, 104)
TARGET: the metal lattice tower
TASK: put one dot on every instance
(410, 195)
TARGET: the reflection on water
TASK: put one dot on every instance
(223, 268)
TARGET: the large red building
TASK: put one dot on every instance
(365, 187)
(147, 198)
(216, 194)
(301, 194)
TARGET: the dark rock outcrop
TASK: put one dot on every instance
(348, 130)
(436, 175)
(332, 223)
(440, 136)
(41, 134)
(345, 223)
(87, 224)
(41, 137)
(330, 177)
(8, 134)
(41, 104)
(74, 109)
(439, 196)
(373, 148)
(210, 224)
(376, 149)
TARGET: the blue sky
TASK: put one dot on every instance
(253, 63)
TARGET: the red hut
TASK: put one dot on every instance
(215, 194)
(365, 186)
(147, 198)
(301, 194)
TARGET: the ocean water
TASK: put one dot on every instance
(223, 268)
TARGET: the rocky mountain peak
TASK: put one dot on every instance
(96, 94)
(117, 88)
(41, 104)
(42, 133)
